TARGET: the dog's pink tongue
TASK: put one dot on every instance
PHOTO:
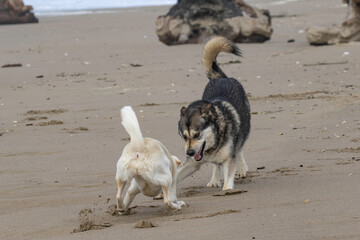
(197, 156)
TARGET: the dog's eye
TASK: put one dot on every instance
(185, 137)
(196, 135)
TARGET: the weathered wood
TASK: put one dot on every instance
(14, 11)
(195, 21)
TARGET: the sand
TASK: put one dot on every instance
(60, 131)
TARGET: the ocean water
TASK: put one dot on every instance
(67, 7)
(72, 7)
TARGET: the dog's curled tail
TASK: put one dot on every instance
(211, 49)
(131, 125)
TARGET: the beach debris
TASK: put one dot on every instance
(35, 118)
(208, 215)
(145, 224)
(39, 76)
(324, 63)
(306, 201)
(291, 40)
(260, 168)
(194, 21)
(229, 192)
(284, 15)
(231, 62)
(77, 130)
(9, 65)
(135, 65)
(52, 122)
(52, 111)
(285, 171)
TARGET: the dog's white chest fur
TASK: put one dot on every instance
(222, 154)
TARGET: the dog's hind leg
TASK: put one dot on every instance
(120, 194)
(189, 167)
(130, 195)
(229, 168)
(243, 168)
(215, 179)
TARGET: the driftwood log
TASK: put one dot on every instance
(15, 11)
(195, 21)
(348, 31)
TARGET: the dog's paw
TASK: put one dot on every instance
(227, 188)
(182, 204)
(178, 205)
(213, 184)
(124, 212)
(243, 174)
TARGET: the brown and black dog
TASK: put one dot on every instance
(216, 127)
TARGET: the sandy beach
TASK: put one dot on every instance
(61, 136)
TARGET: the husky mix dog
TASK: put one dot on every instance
(216, 127)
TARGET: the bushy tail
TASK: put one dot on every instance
(131, 125)
(211, 49)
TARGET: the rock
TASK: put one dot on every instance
(15, 11)
(195, 21)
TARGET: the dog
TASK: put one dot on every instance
(149, 166)
(216, 127)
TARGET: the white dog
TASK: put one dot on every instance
(149, 166)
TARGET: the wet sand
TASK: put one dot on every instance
(60, 131)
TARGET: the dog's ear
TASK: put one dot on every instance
(206, 108)
(183, 111)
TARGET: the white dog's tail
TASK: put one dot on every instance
(131, 125)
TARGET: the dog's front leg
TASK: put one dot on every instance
(120, 194)
(169, 201)
(190, 166)
(172, 192)
(229, 168)
(215, 179)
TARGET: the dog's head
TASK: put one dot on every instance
(196, 127)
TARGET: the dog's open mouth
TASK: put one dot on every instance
(200, 153)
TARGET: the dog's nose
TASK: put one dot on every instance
(190, 152)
